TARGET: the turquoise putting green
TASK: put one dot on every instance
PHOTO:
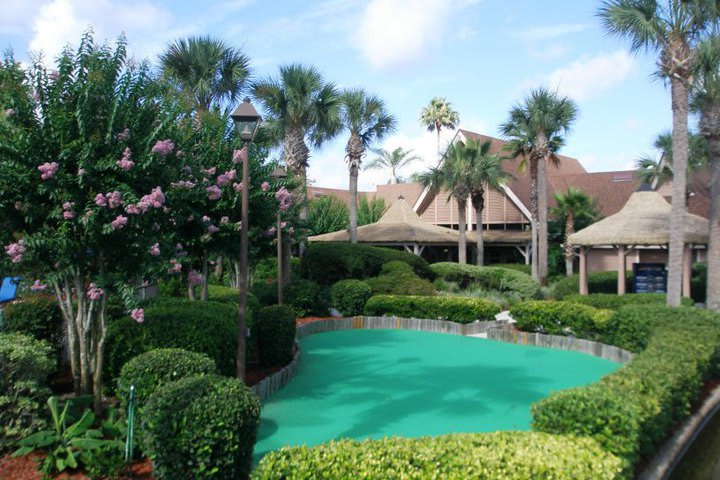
(376, 383)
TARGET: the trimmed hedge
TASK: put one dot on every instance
(202, 427)
(454, 309)
(490, 278)
(598, 282)
(520, 267)
(350, 296)
(560, 318)
(398, 278)
(330, 262)
(485, 456)
(223, 294)
(305, 297)
(632, 410)
(37, 316)
(613, 301)
(25, 364)
(202, 327)
(274, 332)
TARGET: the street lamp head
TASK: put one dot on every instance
(279, 173)
(246, 120)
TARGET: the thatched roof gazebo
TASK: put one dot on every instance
(643, 221)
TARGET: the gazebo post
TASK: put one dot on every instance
(687, 270)
(621, 270)
(583, 271)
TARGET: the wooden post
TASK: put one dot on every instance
(687, 270)
(583, 271)
(621, 270)
(280, 261)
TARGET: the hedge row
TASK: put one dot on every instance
(486, 456)
(598, 282)
(330, 262)
(613, 301)
(632, 410)
(274, 332)
(454, 309)
(490, 278)
(560, 318)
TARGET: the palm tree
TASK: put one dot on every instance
(452, 176)
(485, 171)
(368, 121)
(706, 102)
(206, 70)
(655, 172)
(437, 115)
(573, 207)
(370, 211)
(301, 107)
(394, 160)
(673, 29)
(536, 130)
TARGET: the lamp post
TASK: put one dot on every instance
(278, 174)
(246, 120)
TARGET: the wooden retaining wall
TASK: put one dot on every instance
(269, 385)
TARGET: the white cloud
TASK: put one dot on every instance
(549, 52)
(398, 32)
(547, 32)
(588, 77)
(594, 162)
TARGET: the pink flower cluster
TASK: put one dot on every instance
(209, 171)
(155, 199)
(124, 135)
(126, 162)
(15, 251)
(284, 199)
(68, 212)
(270, 232)
(163, 147)
(238, 186)
(239, 155)
(37, 286)
(114, 199)
(183, 184)
(194, 278)
(227, 177)
(224, 220)
(94, 292)
(155, 250)
(213, 229)
(9, 112)
(205, 219)
(175, 266)
(48, 170)
(119, 222)
(138, 314)
(214, 192)
(265, 186)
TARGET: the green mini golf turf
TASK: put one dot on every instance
(376, 383)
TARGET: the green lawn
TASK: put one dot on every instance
(375, 383)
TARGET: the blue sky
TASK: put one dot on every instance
(483, 55)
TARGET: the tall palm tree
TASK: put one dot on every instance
(672, 28)
(573, 207)
(206, 70)
(394, 160)
(452, 176)
(484, 172)
(437, 115)
(367, 120)
(706, 102)
(657, 171)
(300, 107)
(536, 130)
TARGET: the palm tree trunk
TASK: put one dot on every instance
(219, 269)
(542, 222)
(679, 92)
(713, 254)
(569, 254)
(462, 226)
(353, 201)
(534, 218)
(480, 245)
(302, 198)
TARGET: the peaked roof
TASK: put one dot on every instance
(400, 224)
(644, 220)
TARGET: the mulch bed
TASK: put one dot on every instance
(26, 468)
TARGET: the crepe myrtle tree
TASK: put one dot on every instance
(84, 167)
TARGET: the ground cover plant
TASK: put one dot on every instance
(490, 278)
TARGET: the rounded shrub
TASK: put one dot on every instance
(598, 282)
(399, 282)
(274, 331)
(38, 316)
(201, 427)
(489, 278)
(395, 266)
(560, 318)
(350, 296)
(305, 296)
(454, 309)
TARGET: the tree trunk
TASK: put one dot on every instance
(287, 258)
(205, 279)
(236, 274)
(302, 190)
(462, 227)
(353, 202)
(542, 222)
(480, 245)
(569, 253)
(679, 92)
(534, 218)
(219, 269)
(713, 254)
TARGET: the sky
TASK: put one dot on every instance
(484, 56)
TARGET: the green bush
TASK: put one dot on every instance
(223, 294)
(454, 309)
(37, 316)
(560, 318)
(305, 297)
(25, 364)
(698, 282)
(482, 456)
(398, 278)
(349, 296)
(632, 410)
(202, 427)
(598, 282)
(274, 331)
(173, 286)
(520, 267)
(330, 262)
(202, 327)
(488, 278)
(266, 293)
(613, 301)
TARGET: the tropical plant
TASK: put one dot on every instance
(655, 172)
(673, 29)
(370, 211)
(394, 161)
(572, 207)
(484, 172)
(437, 115)
(300, 107)
(206, 71)
(327, 214)
(536, 130)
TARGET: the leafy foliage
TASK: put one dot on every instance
(490, 278)
(349, 296)
(305, 297)
(37, 316)
(612, 301)
(560, 318)
(393, 161)
(327, 214)
(398, 278)
(454, 309)
(274, 332)
(598, 282)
